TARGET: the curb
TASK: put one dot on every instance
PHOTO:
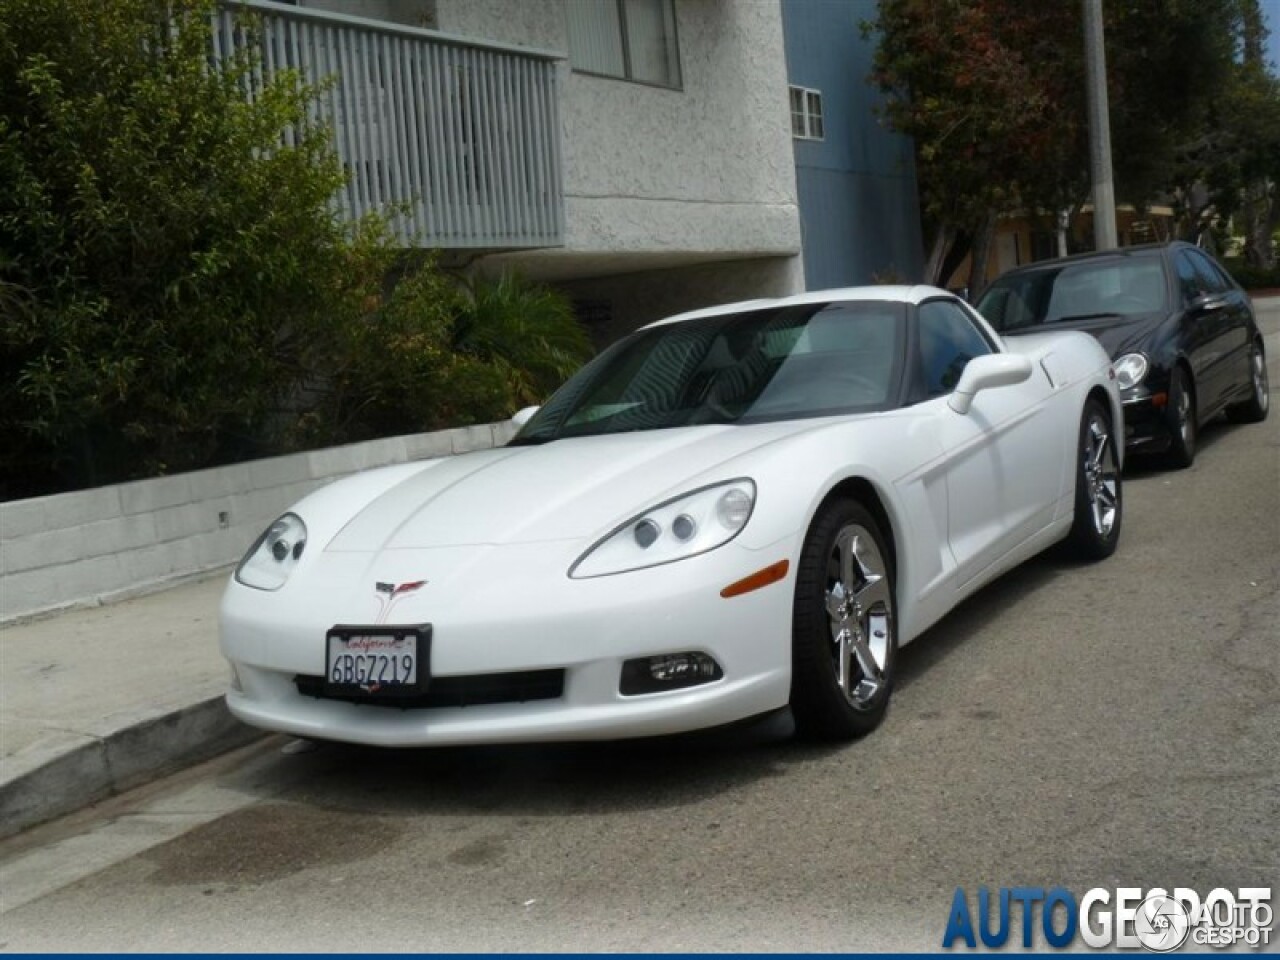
(120, 761)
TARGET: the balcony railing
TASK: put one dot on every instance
(464, 135)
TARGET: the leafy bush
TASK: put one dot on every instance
(175, 251)
(439, 353)
(177, 288)
(1251, 277)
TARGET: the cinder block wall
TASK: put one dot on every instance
(87, 547)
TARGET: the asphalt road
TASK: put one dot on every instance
(1109, 725)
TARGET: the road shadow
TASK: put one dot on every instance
(1144, 466)
(977, 613)
(534, 780)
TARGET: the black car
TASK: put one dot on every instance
(1181, 333)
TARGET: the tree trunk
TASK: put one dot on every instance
(959, 250)
(942, 242)
(981, 253)
(1257, 223)
(1260, 214)
(1267, 249)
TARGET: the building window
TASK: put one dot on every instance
(806, 113)
(629, 39)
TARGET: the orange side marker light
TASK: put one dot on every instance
(761, 578)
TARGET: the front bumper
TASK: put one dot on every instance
(1146, 421)
(500, 610)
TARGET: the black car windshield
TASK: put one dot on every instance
(1084, 290)
(781, 363)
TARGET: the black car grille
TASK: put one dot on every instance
(465, 691)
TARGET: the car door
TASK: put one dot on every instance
(1205, 329)
(1231, 328)
(1003, 470)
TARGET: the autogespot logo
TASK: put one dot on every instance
(1128, 917)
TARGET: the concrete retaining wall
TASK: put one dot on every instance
(74, 549)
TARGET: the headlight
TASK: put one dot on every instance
(690, 524)
(272, 558)
(1131, 370)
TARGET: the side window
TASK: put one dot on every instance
(948, 341)
(1189, 282)
(1210, 276)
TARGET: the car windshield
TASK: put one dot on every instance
(782, 363)
(1076, 291)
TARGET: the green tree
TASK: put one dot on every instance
(1233, 168)
(992, 91)
(178, 287)
(981, 87)
(175, 250)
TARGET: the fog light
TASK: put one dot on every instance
(670, 671)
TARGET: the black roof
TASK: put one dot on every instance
(1139, 249)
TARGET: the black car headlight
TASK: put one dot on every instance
(273, 555)
(1131, 370)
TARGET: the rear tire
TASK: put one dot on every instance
(1254, 410)
(1099, 505)
(1184, 428)
(844, 626)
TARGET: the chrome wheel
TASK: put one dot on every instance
(1183, 423)
(1184, 416)
(1098, 510)
(860, 615)
(1254, 409)
(1261, 389)
(1101, 476)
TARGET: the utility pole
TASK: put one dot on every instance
(1104, 191)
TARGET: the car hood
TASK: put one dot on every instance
(571, 488)
(1118, 335)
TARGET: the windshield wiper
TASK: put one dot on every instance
(529, 441)
(1085, 316)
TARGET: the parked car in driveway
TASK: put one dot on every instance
(726, 513)
(1182, 334)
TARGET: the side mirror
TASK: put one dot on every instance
(1208, 302)
(524, 416)
(985, 372)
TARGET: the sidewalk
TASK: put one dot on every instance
(99, 700)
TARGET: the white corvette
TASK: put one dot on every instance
(729, 512)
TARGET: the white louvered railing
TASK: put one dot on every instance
(463, 135)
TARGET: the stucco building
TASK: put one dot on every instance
(638, 154)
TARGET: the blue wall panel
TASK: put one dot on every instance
(859, 209)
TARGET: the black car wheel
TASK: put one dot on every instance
(1254, 410)
(844, 628)
(1183, 426)
(1099, 506)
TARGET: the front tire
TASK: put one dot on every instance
(1184, 428)
(844, 626)
(1099, 504)
(1254, 410)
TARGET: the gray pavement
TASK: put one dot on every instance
(94, 702)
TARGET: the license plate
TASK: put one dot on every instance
(377, 661)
